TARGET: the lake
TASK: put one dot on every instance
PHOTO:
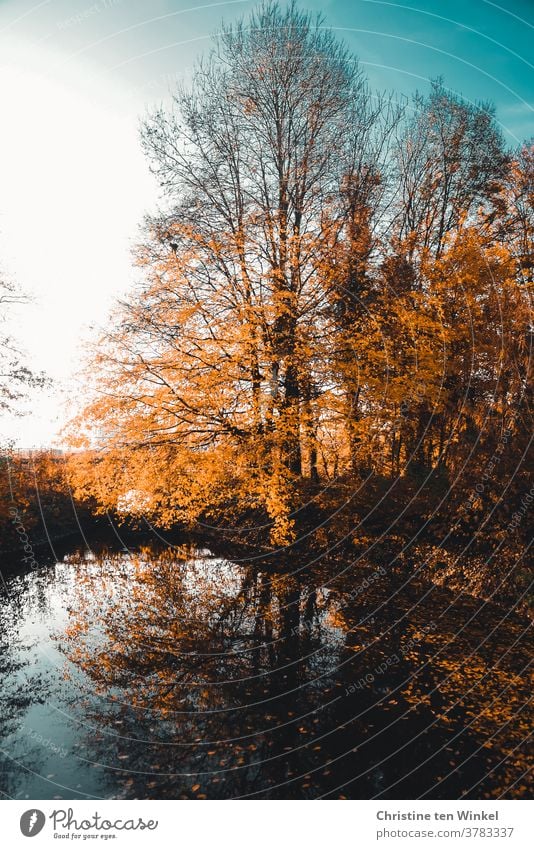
(174, 672)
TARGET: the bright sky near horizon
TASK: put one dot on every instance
(75, 78)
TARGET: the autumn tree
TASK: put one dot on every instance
(450, 161)
(335, 289)
(261, 160)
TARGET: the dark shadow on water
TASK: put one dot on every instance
(177, 674)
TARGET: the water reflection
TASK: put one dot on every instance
(177, 674)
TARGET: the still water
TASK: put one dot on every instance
(175, 673)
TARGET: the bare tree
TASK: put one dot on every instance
(15, 377)
(450, 158)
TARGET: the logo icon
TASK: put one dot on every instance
(32, 822)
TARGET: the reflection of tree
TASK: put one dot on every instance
(220, 680)
(189, 651)
(173, 630)
(23, 683)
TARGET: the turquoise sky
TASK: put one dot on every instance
(483, 49)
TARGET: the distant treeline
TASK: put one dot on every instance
(36, 504)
